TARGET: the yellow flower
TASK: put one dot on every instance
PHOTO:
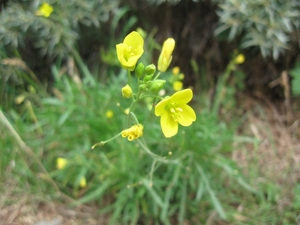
(175, 70)
(44, 10)
(173, 110)
(127, 91)
(82, 183)
(133, 132)
(61, 163)
(177, 85)
(130, 50)
(109, 114)
(165, 57)
(239, 59)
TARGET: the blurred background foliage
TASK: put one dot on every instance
(52, 69)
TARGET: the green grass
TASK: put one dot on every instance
(196, 179)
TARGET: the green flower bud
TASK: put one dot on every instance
(150, 69)
(148, 77)
(139, 70)
(143, 87)
(157, 85)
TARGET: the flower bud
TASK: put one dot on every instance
(165, 57)
(239, 59)
(150, 69)
(157, 85)
(139, 70)
(127, 91)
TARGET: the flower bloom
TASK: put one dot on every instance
(130, 50)
(82, 183)
(44, 10)
(61, 163)
(165, 57)
(239, 59)
(126, 91)
(177, 85)
(109, 114)
(133, 132)
(173, 110)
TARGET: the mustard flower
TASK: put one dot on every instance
(177, 85)
(82, 183)
(109, 114)
(165, 57)
(126, 91)
(133, 132)
(239, 59)
(173, 110)
(61, 163)
(44, 10)
(175, 70)
(130, 50)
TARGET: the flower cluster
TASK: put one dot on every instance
(171, 110)
(133, 132)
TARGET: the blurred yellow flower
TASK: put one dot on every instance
(239, 59)
(127, 111)
(177, 85)
(109, 114)
(61, 163)
(175, 70)
(82, 183)
(130, 50)
(173, 110)
(133, 132)
(126, 91)
(44, 10)
(165, 57)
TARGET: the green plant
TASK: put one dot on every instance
(266, 24)
(54, 33)
(295, 73)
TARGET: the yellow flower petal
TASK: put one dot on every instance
(183, 96)
(168, 124)
(160, 107)
(188, 116)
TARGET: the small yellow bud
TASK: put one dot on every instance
(109, 114)
(82, 183)
(61, 163)
(239, 59)
(177, 85)
(127, 91)
(165, 57)
(175, 70)
(44, 10)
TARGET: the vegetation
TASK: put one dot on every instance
(71, 136)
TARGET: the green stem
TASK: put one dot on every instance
(220, 85)
(154, 156)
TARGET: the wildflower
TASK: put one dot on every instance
(61, 163)
(133, 132)
(109, 114)
(130, 50)
(44, 10)
(177, 85)
(239, 59)
(127, 91)
(165, 57)
(173, 110)
(82, 183)
(175, 70)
